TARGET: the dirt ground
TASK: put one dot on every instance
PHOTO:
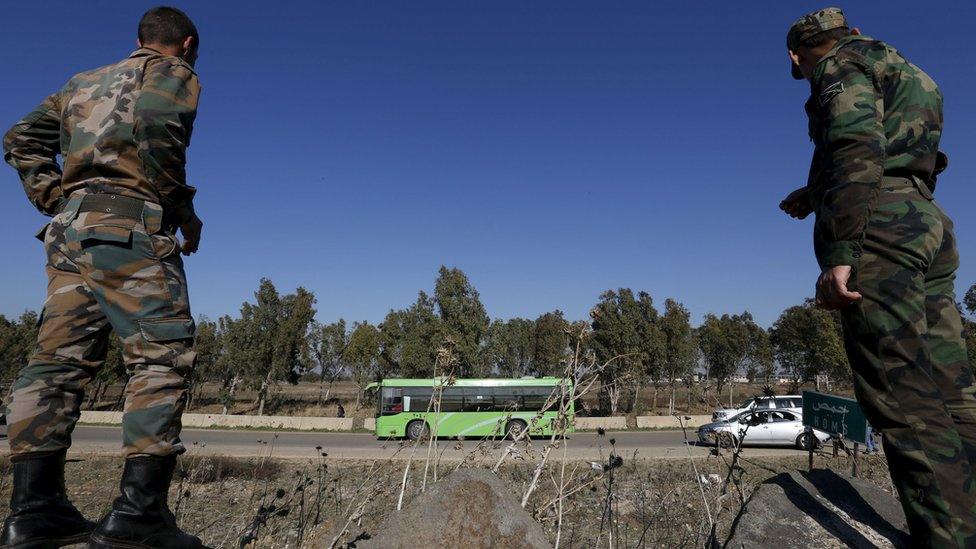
(308, 399)
(274, 503)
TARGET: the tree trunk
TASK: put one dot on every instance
(731, 385)
(359, 393)
(233, 391)
(328, 391)
(671, 402)
(191, 396)
(93, 400)
(633, 405)
(263, 393)
(614, 394)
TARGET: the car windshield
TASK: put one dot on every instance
(746, 403)
(739, 417)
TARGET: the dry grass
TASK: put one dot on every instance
(209, 469)
(277, 504)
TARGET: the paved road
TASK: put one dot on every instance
(241, 443)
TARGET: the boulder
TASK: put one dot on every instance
(818, 509)
(471, 508)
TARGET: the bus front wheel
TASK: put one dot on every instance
(417, 429)
(514, 429)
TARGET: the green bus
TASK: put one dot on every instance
(469, 407)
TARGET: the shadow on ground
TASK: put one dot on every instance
(819, 508)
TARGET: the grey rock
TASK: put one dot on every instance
(471, 508)
(819, 509)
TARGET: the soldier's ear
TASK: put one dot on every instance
(796, 58)
(855, 32)
(189, 50)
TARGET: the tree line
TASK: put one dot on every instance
(275, 339)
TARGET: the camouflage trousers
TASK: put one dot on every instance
(107, 272)
(911, 371)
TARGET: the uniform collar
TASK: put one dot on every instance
(833, 52)
(843, 42)
(149, 52)
(145, 52)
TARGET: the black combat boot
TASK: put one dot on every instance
(140, 517)
(40, 514)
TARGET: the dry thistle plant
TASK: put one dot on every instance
(581, 373)
(733, 475)
(447, 361)
(375, 483)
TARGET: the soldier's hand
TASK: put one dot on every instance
(797, 204)
(832, 292)
(191, 235)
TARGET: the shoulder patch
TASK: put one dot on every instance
(830, 92)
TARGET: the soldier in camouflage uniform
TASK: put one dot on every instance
(113, 263)
(888, 256)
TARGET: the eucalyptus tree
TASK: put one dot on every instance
(626, 337)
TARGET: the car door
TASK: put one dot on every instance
(758, 431)
(782, 428)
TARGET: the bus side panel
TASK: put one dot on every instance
(390, 426)
(468, 424)
(395, 425)
(484, 424)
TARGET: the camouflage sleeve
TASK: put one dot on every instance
(32, 147)
(852, 145)
(164, 114)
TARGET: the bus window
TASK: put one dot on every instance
(416, 399)
(478, 399)
(391, 401)
(506, 400)
(452, 399)
(536, 398)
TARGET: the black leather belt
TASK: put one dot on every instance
(113, 204)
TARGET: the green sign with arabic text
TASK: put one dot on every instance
(836, 415)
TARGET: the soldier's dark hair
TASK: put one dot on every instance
(167, 26)
(824, 37)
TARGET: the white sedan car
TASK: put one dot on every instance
(763, 427)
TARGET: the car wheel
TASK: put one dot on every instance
(726, 440)
(417, 429)
(806, 441)
(514, 429)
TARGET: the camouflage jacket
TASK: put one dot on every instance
(121, 129)
(871, 114)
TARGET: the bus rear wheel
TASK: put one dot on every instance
(417, 429)
(514, 429)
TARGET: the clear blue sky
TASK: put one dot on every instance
(551, 150)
